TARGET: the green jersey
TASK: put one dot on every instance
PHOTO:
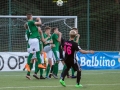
(27, 35)
(55, 41)
(76, 39)
(33, 29)
(49, 39)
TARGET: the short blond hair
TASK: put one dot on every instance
(72, 33)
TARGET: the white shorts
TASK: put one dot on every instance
(34, 56)
(52, 61)
(50, 54)
(58, 55)
(47, 48)
(34, 45)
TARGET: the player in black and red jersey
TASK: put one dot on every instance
(70, 48)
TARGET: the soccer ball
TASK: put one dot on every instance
(59, 3)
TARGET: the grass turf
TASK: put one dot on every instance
(91, 80)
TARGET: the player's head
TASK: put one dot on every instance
(55, 30)
(47, 29)
(72, 34)
(75, 29)
(29, 16)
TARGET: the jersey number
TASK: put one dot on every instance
(67, 49)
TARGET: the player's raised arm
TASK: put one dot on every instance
(38, 21)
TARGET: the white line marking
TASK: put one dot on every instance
(59, 74)
(59, 86)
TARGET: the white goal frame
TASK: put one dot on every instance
(64, 17)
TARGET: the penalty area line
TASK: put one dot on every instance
(59, 86)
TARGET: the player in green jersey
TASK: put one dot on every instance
(41, 56)
(27, 35)
(56, 37)
(48, 49)
(33, 41)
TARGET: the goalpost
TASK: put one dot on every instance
(12, 30)
(13, 46)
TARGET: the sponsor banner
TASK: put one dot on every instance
(15, 61)
(99, 60)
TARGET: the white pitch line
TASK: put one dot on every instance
(58, 86)
(59, 74)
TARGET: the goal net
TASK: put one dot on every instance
(12, 32)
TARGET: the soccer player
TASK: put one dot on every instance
(56, 37)
(27, 35)
(33, 41)
(48, 48)
(77, 40)
(70, 48)
(41, 56)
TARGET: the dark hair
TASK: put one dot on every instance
(29, 15)
(53, 29)
(74, 28)
(47, 27)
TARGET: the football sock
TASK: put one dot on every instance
(29, 58)
(65, 73)
(41, 71)
(55, 69)
(72, 71)
(47, 70)
(78, 77)
(36, 67)
(52, 69)
(31, 66)
(64, 68)
(38, 57)
(55, 53)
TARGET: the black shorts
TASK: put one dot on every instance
(71, 63)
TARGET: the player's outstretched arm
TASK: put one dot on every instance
(85, 52)
(38, 21)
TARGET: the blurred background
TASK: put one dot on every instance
(98, 22)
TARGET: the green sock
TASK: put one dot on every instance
(56, 68)
(29, 58)
(72, 71)
(41, 71)
(31, 66)
(64, 68)
(38, 57)
(47, 70)
(36, 67)
(55, 53)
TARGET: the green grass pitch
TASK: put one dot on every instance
(91, 80)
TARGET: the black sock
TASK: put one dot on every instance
(78, 77)
(65, 73)
(51, 69)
